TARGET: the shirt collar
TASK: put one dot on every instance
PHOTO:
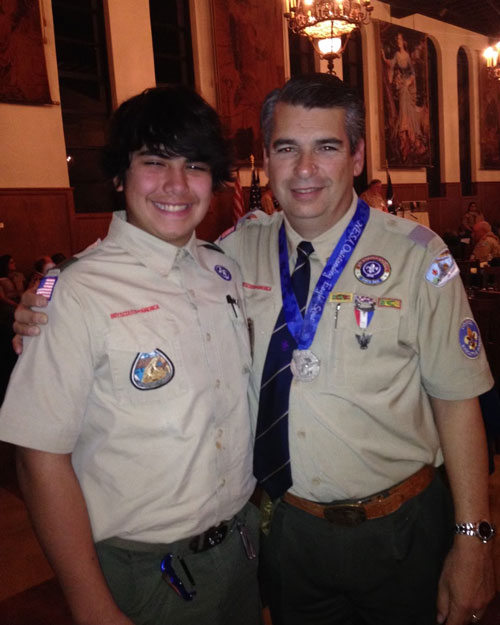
(325, 242)
(149, 250)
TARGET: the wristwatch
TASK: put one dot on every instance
(482, 529)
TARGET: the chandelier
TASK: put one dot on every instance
(324, 23)
(491, 55)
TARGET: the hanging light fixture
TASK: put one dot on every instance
(492, 55)
(325, 23)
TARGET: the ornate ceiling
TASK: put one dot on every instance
(481, 16)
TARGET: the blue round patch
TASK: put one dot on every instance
(470, 339)
(372, 270)
(224, 273)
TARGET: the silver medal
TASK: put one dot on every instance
(305, 365)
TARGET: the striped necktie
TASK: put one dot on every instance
(271, 451)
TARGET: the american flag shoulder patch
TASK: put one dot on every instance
(46, 286)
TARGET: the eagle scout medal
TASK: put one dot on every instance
(372, 270)
(469, 338)
(364, 308)
(151, 370)
(305, 365)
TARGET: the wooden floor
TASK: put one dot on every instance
(29, 594)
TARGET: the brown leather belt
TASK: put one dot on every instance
(354, 512)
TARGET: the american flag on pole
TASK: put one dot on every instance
(255, 192)
(238, 201)
(389, 194)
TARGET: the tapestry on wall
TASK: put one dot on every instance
(489, 118)
(404, 96)
(23, 74)
(249, 64)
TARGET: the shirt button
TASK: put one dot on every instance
(217, 383)
(208, 337)
(301, 434)
(316, 481)
(223, 483)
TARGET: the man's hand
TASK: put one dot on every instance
(26, 320)
(467, 581)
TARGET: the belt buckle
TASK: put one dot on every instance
(349, 514)
(215, 536)
(211, 538)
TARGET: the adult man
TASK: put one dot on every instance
(373, 196)
(135, 432)
(390, 338)
(384, 384)
(486, 244)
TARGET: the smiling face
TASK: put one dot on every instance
(167, 196)
(310, 166)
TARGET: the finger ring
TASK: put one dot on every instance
(475, 618)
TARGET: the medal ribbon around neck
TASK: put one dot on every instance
(304, 329)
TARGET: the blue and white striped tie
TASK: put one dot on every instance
(271, 452)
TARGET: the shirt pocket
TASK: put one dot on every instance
(242, 330)
(365, 359)
(145, 359)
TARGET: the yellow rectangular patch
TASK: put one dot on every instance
(388, 302)
(340, 297)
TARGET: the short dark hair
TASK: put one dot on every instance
(317, 91)
(173, 120)
(375, 181)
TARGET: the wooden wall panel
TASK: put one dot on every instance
(88, 227)
(35, 222)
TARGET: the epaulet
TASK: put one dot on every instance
(48, 282)
(257, 216)
(66, 263)
(213, 246)
(421, 235)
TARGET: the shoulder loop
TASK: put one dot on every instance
(421, 235)
(213, 246)
(66, 263)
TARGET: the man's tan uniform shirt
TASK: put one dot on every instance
(142, 375)
(365, 423)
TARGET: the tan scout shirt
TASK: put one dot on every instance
(365, 422)
(157, 464)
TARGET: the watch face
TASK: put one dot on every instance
(485, 531)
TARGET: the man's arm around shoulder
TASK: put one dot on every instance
(27, 321)
(59, 515)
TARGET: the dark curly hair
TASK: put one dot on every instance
(173, 120)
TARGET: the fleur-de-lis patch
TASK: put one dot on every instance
(151, 370)
(469, 337)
